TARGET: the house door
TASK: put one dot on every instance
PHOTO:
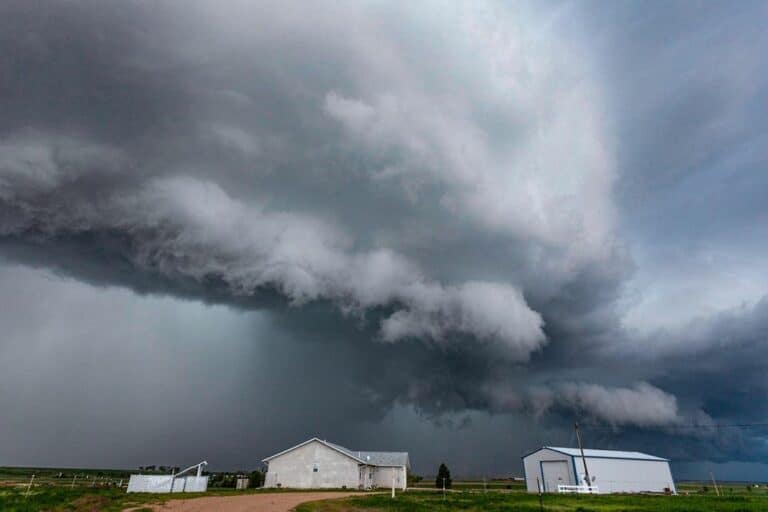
(554, 473)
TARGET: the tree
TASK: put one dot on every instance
(257, 478)
(443, 477)
(412, 479)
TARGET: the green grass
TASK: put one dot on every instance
(466, 485)
(107, 499)
(57, 499)
(422, 501)
(53, 494)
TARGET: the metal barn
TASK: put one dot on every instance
(554, 469)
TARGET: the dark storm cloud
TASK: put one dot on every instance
(429, 195)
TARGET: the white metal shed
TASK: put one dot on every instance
(610, 471)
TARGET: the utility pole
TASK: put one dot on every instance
(29, 487)
(712, 476)
(583, 459)
(541, 500)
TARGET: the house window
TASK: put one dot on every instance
(315, 467)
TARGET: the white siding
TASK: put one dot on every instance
(162, 483)
(611, 475)
(295, 469)
(382, 477)
(532, 465)
(627, 475)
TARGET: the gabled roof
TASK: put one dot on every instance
(332, 446)
(603, 454)
(369, 458)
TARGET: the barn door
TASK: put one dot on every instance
(554, 473)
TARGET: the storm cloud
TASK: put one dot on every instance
(458, 216)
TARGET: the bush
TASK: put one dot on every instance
(257, 478)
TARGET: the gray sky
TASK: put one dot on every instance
(450, 229)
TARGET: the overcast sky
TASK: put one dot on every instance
(452, 229)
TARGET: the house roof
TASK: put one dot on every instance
(385, 458)
(603, 454)
(368, 458)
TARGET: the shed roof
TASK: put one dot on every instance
(369, 458)
(603, 454)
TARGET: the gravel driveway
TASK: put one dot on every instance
(262, 502)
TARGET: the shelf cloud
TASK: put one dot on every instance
(505, 212)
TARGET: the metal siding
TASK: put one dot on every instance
(162, 483)
(628, 475)
(554, 473)
(605, 454)
(532, 466)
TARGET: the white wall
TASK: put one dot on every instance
(162, 483)
(626, 475)
(382, 477)
(295, 469)
(610, 475)
(532, 467)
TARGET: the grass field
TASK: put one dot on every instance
(49, 498)
(79, 499)
(468, 485)
(82, 499)
(466, 501)
(100, 490)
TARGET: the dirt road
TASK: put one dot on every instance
(263, 502)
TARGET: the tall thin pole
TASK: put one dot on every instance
(29, 487)
(583, 458)
(541, 500)
(712, 475)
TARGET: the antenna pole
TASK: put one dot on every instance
(714, 482)
(583, 459)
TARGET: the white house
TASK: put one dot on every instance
(609, 471)
(316, 464)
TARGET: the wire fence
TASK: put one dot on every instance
(73, 481)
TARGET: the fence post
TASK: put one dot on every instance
(541, 500)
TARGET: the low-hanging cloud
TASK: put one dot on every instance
(186, 228)
(639, 405)
(427, 193)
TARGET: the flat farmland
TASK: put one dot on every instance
(473, 501)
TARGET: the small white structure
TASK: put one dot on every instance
(170, 483)
(554, 469)
(317, 464)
